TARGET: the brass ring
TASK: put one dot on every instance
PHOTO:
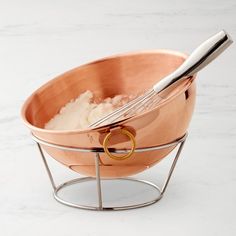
(132, 139)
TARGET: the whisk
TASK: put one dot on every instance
(199, 58)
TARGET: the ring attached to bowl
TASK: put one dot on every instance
(129, 154)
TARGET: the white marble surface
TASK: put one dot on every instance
(41, 39)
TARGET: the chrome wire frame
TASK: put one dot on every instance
(100, 207)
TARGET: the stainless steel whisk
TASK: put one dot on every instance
(199, 58)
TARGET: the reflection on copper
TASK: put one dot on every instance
(128, 74)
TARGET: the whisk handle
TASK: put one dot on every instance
(199, 58)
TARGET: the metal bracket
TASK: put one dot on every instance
(160, 190)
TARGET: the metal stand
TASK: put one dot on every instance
(160, 190)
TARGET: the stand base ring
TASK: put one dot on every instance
(104, 208)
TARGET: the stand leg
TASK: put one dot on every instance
(172, 167)
(47, 168)
(98, 179)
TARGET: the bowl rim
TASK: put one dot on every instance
(120, 122)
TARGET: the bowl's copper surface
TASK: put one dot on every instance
(123, 74)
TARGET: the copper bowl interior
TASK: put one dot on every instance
(105, 78)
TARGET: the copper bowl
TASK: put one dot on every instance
(122, 74)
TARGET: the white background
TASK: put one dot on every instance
(41, 39)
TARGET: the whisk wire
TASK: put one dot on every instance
(120, 112)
